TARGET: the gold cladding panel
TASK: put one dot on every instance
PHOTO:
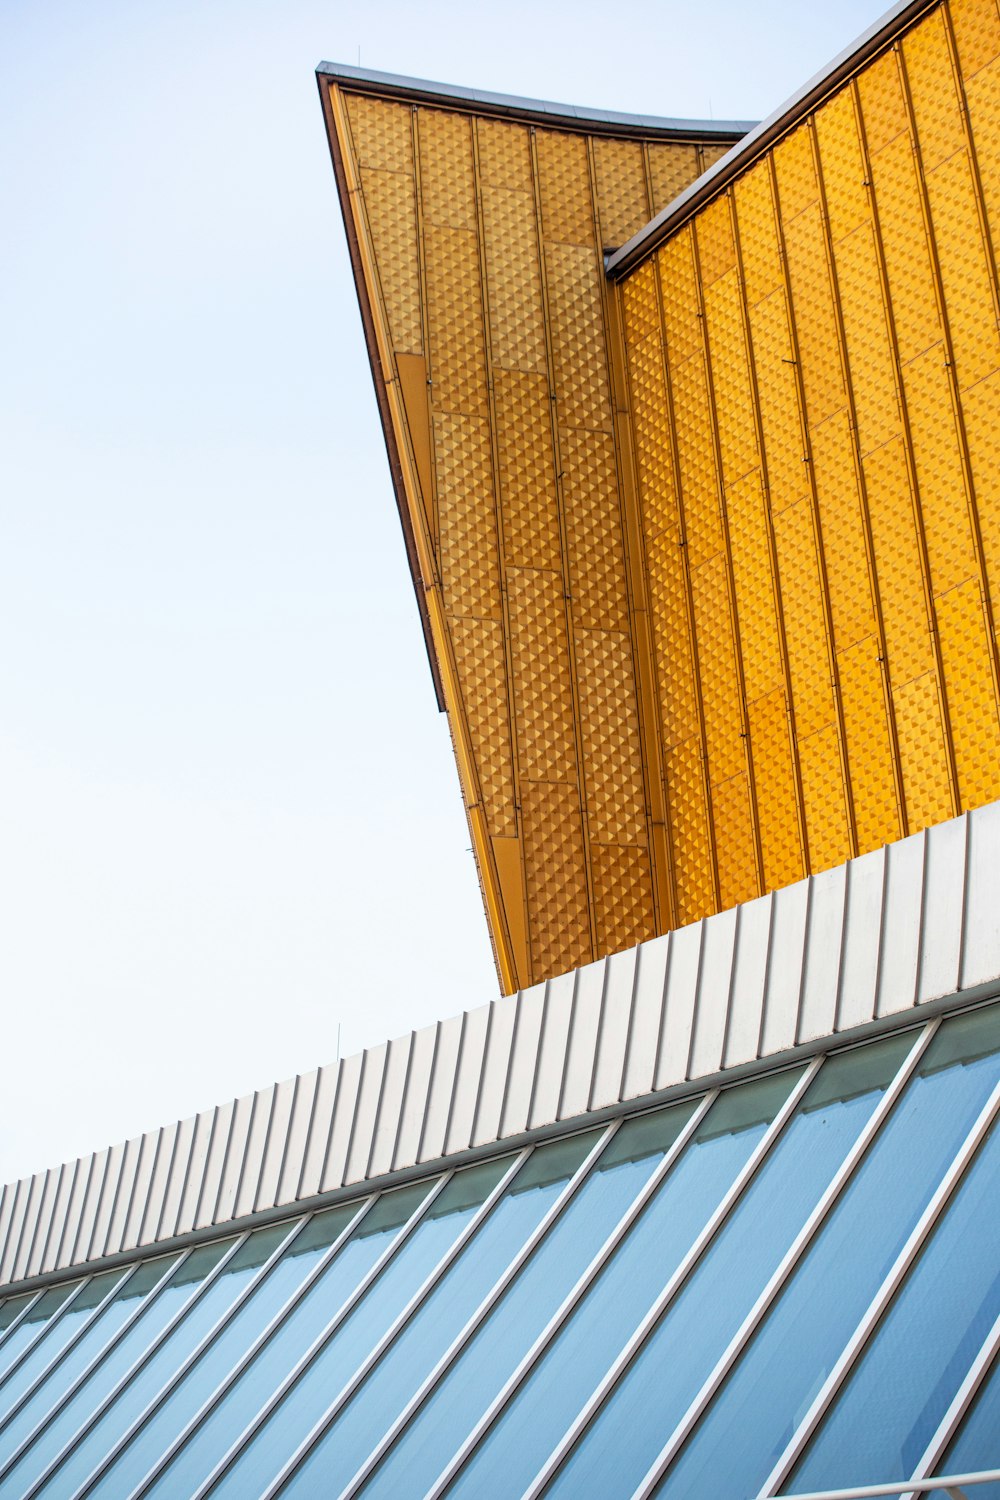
(812, 435)
(866, 443)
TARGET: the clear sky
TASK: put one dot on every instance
(229, 817)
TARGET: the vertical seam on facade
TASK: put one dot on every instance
(727, 557)
(930, 605)
(875, 597)
(817, 526)
(968, 480)
(772, 548)
(682, 542)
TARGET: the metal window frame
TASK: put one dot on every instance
(95, 1312)
(161, 1395)
(419, 1297)
(951, 1423)
(474, 1322)
(790, 1261)
(676, 1281)
(886, 1293)
(44, 1332)
(402, 1235)
(30, 1302)
(951, 1483)
(173, 1265)
(574, 1296)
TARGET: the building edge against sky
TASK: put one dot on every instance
(707, 546)
(693, 445)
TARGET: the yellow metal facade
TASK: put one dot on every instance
(708, 556)
(814, 367)
(481, 246)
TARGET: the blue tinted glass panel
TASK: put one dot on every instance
(656, 1391)
(977, 1444)
(187, 1388)
(540, 1182)
(62, 1331)
(102, 1329)
(922, 1351)
(198, 1306)
(12, 1309)
(35, 1325)
(744, 1432)
(648, 1255)
(174, 1285)
(623, 1168)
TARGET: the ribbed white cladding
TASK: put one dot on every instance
(899, 928)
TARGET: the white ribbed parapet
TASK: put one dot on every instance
(908, 925)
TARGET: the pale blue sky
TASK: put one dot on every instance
(229, 818)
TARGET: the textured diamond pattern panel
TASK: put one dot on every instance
(977, 34)
(622, 201)
(447, 170)
(713, 627)
(558, 912)
(922, 752)
(872, 447)
(823, 795)
(623, 896)
(594, 532)
(972, 706)
(774, 779)
(542, 676)
(805, 628)
(731, 378)
(962, 256)
(897, 558)
(690, 831)
(748, 539)
(469, 555)
(565, 188)
(392, 219)
(482, 674)
(843, 532)
(610, 731)
(734, 842)
(529, 507)
(868, 748)
(578, 345)
(932, 89)
(517, 320)
(671, 170)
(455, 321)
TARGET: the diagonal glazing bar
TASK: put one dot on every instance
(886, 1292)
(788, 1264)
(115, 1284)
(165, 1389)
(403, 1318)
(344, 1308)
(481, 1312)
(135, 1366)
(15, 1322)
(952, 1484)
(71, 1324)
(168, 1267)
(17, 1350)
(573, 1298)
(960, 1404)
(675, 1282)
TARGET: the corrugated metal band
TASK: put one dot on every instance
(858, 946)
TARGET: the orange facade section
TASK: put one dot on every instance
(481, 246)
(814, 367)
(708, 557)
